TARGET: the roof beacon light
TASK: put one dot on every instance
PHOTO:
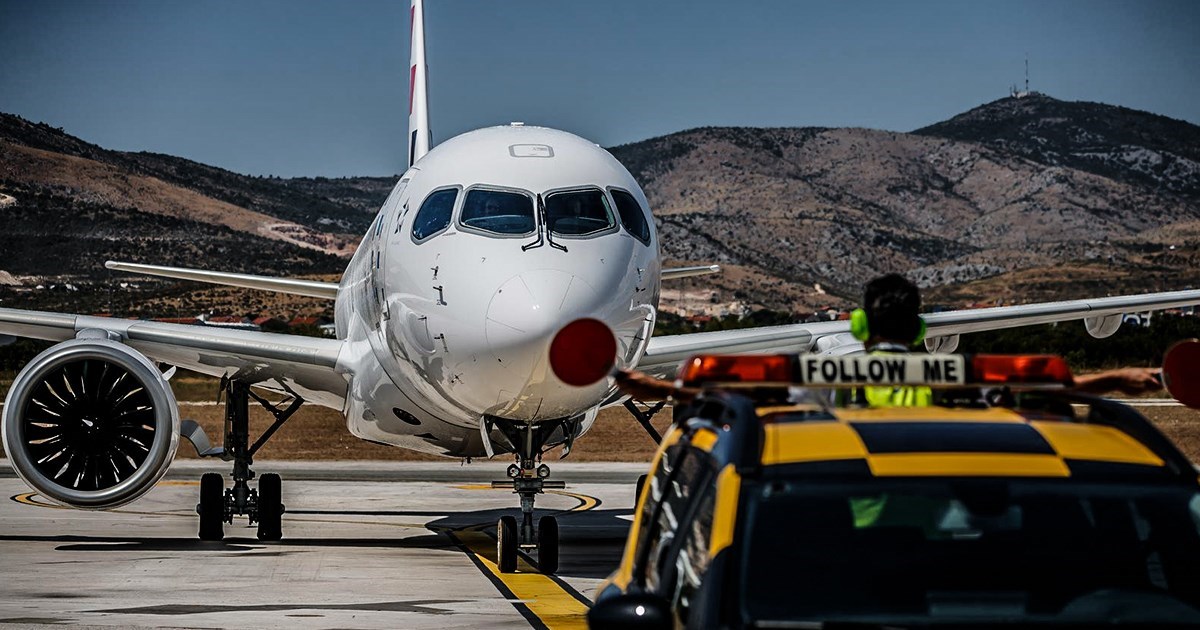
(711, 368)
(933, 370)
(999, 369)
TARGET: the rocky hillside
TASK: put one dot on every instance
(1123, 144)
(1016, 200)
(306, 201)
(963, 207)
(68, 205)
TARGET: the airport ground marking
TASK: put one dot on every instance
(545, 601)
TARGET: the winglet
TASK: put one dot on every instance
(419, 137)
(310, 288)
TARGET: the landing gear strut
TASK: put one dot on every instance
(644, 417)
(219, 505)
(528, 478)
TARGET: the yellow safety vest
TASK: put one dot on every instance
(902, 396)
(868, 511)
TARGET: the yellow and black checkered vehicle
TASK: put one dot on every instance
(766, 506)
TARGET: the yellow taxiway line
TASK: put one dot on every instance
(544, 601)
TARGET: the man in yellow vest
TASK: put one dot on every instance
(889, 322)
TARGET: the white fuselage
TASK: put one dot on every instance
(453, 324)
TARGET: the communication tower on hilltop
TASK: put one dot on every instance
(1013, 91)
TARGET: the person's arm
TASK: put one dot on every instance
(1128, 381)
(642, 386)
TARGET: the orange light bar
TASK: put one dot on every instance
(1033, 368)
(766, 368)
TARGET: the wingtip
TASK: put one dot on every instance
(111, 264)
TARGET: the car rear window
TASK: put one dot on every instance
(1019, 549)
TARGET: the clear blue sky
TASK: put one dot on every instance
(320, 87)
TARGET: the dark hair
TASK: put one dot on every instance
(893, 306)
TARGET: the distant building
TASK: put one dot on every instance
(270, 323)
(315, 322)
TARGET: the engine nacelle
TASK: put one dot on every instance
(90, 423)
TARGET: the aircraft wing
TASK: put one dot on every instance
(687, 272)
(310, 288)
(306, 365)
(1102, 316)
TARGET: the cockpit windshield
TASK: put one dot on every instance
(498, 211)
(578, 212)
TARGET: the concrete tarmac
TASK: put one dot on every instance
(366, 545)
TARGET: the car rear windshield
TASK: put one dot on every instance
(930, 551)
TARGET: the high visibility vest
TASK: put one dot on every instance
(907, 396)
(903, 396)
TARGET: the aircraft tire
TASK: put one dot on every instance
(506, 544)
(212, 506)
(641, 483)
(548, 545)
(270, 507)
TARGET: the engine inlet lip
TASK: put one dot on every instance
(162, 450)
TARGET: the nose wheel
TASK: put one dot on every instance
(513, 536)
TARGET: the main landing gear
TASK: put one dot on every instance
(528, 478)
(644, 418)
(219, 505)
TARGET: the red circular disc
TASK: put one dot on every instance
(583, 352)
(1181, 372)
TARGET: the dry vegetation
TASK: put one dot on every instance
(103, 183)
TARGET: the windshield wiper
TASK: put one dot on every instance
(544, 235)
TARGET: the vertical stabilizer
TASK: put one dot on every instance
(418, 90)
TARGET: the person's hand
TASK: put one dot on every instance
(642, 386)
(1128, 381)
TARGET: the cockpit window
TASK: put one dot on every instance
(578, 212)
(498, 211)
(632, 216)
(435, 213)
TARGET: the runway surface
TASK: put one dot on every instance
(366, 545)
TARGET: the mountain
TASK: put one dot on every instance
(69, 205)
(304, 202)
(1020, 199)
(1123, 144)
(989, 205)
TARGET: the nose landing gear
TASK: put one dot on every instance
(528, 477)
(511, 536)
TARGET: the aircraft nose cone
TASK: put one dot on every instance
(528, 309)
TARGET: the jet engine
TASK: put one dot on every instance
(90, 423)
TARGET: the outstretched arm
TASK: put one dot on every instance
(1128, 381)
(642, 386)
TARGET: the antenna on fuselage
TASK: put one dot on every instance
(419, 137)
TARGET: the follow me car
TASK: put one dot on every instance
(1011, 502)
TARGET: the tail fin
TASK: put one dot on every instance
(419, 137)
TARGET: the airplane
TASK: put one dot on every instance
(508, 272)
